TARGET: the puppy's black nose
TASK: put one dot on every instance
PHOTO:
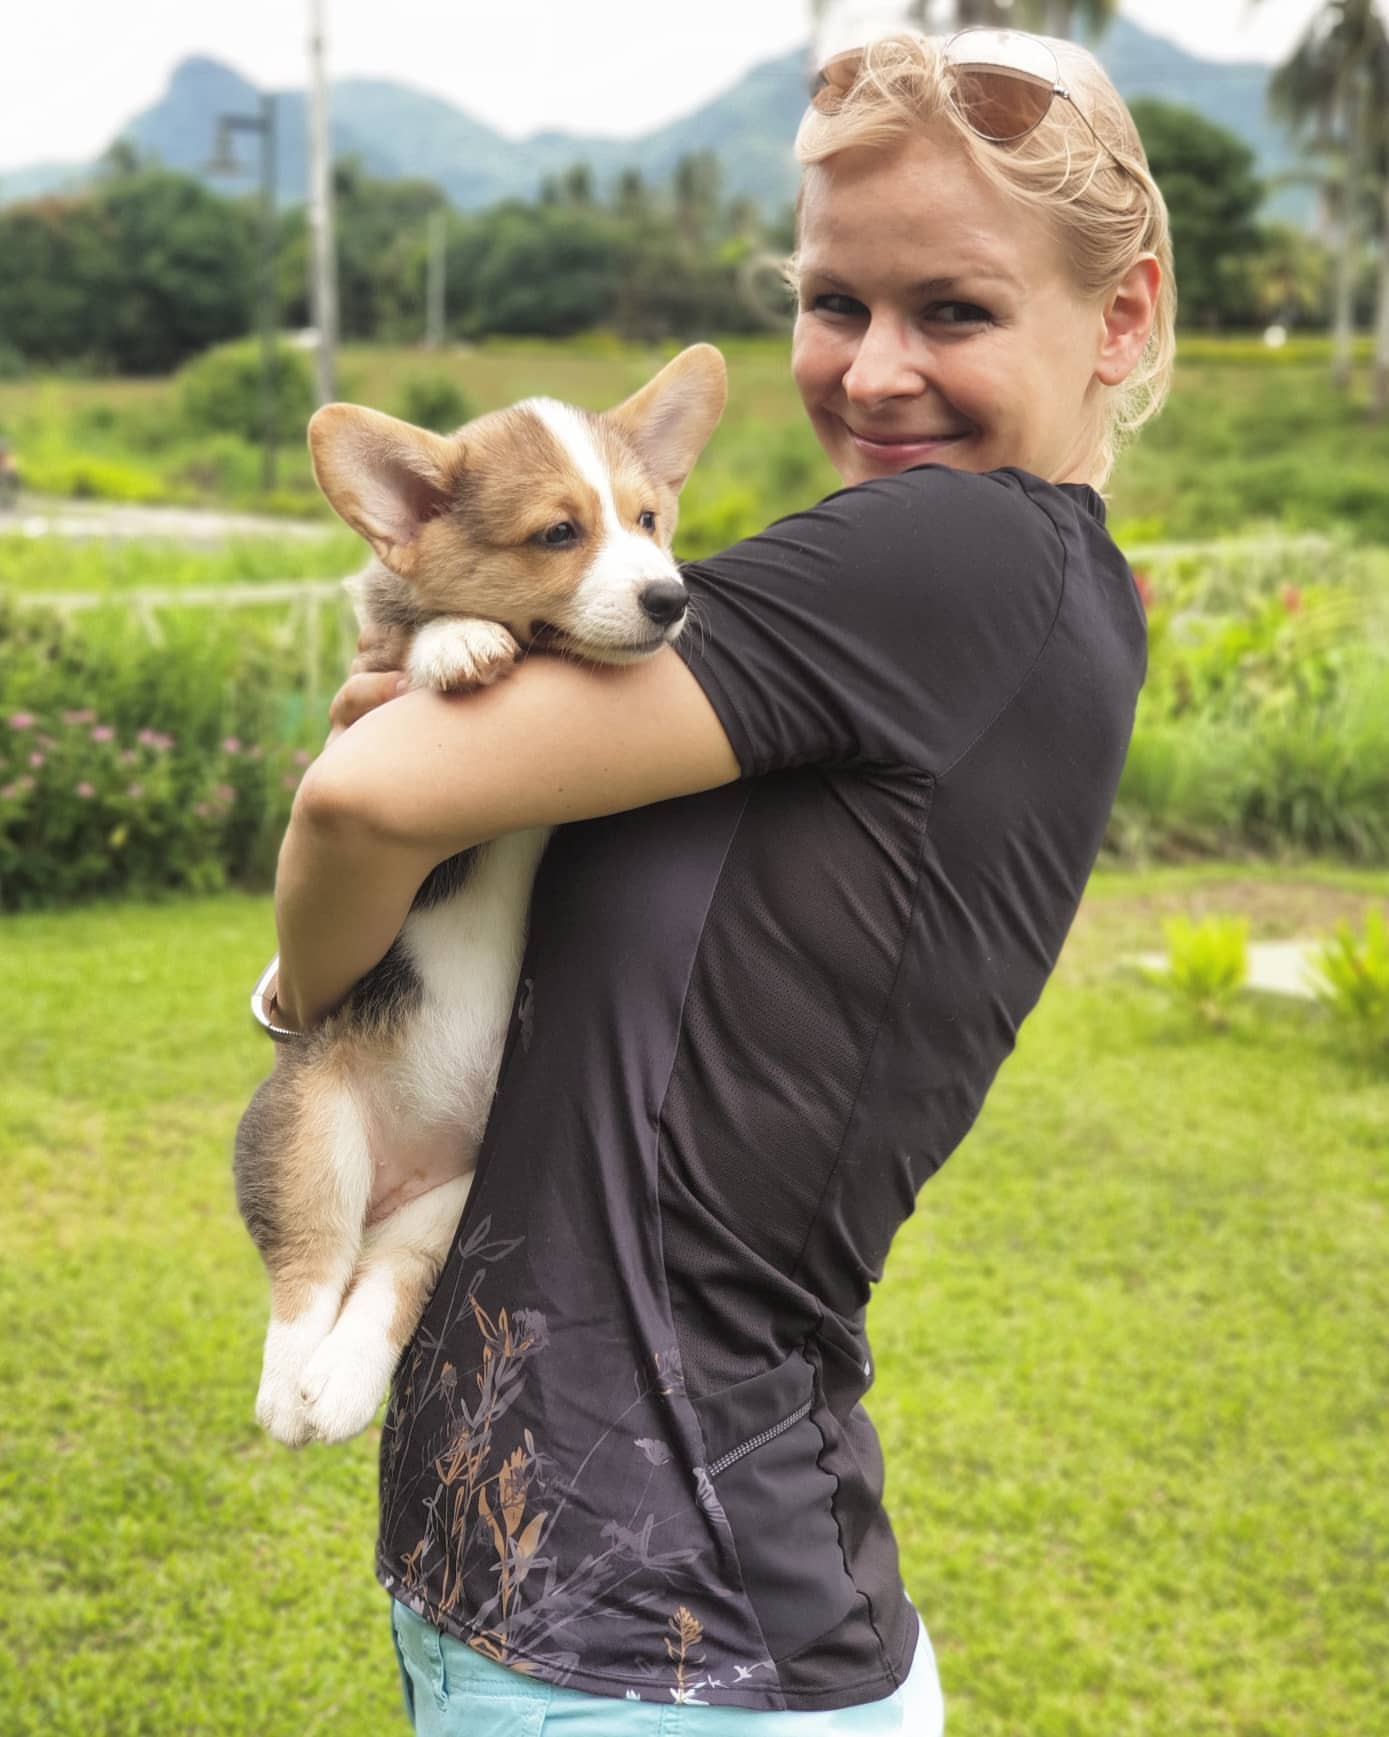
(664, 601)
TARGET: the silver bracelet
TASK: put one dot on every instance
(262, 1004)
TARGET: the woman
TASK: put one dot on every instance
(626, 1461)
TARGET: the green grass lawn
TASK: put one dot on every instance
(1131, 1352)
(1250, 436)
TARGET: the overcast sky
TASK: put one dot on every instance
(72, 71)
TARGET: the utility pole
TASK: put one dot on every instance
(323, 273)
(224, 162)
(434, 300)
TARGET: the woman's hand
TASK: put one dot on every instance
(368, 685)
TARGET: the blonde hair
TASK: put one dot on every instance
(1104, 218)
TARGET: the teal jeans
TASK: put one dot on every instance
(451, 1690)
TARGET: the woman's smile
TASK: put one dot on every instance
(894, 451)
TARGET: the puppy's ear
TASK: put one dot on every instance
(670, 420)
(386, 478)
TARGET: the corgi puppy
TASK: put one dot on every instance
(540, 526)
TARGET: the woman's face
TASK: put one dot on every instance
(937, 323)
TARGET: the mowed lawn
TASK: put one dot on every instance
(1131, 1353)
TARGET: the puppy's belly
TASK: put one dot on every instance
(404, 1169)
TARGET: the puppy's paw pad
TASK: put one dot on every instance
(461, 652)
(340, 1395)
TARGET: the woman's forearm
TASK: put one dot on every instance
(342, 893)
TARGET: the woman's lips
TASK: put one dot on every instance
(898, 446)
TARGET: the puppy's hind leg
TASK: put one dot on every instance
(347, 1377)
(324, 1185)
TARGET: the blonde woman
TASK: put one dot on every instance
(628, 1483)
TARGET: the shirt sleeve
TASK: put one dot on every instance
(889, 625)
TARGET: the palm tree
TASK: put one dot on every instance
(1326, 88)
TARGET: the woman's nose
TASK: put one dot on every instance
(884, 366)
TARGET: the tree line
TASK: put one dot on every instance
(148, 266)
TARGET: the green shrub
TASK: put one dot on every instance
(432, 401)
(131, 765)
(1208, 963)
(220, 391)
(82, 477)
(1352, 981)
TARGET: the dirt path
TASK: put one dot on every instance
(35, 516)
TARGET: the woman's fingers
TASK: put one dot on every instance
(360, 694)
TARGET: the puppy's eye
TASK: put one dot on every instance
(647, 521)
(564, 532)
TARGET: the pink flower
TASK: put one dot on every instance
(290, 781)
(135, 792)
(22, 720)
(1292, 599)
(9, 792)
(225, 793)
(231, 745)
(255, 751)
(203, 810)
(301, 756)
(85, 716)
(153, 739)
(85, 790)
(128, 756)
(103, 733)
(1145, 590)
(36, 760)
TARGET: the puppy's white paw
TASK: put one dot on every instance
(342, 1388)
(280, 1409)
(289, 1345)
(460, 651)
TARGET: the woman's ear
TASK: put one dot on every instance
(1128, 314)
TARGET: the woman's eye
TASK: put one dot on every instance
(966, 313)
(647, 521)
(837, 304)
(564, 532)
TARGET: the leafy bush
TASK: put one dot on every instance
(87, 810)
(433, 401)
(1208, 963)
(83, 477)
(1264, 723)
(130, 765)
(220, 392)
(1352, 980)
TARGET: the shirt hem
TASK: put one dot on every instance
(613, 1685)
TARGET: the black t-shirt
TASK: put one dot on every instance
(626, 1450)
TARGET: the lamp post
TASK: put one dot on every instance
(224, 162)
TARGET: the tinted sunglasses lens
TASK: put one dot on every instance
(1001, 105)
(836, 80)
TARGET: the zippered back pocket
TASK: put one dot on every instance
(764, 1449)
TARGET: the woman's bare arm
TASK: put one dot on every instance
(414, 781)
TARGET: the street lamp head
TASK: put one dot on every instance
(223, 160)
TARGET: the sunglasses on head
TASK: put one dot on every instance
(1003, 83)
